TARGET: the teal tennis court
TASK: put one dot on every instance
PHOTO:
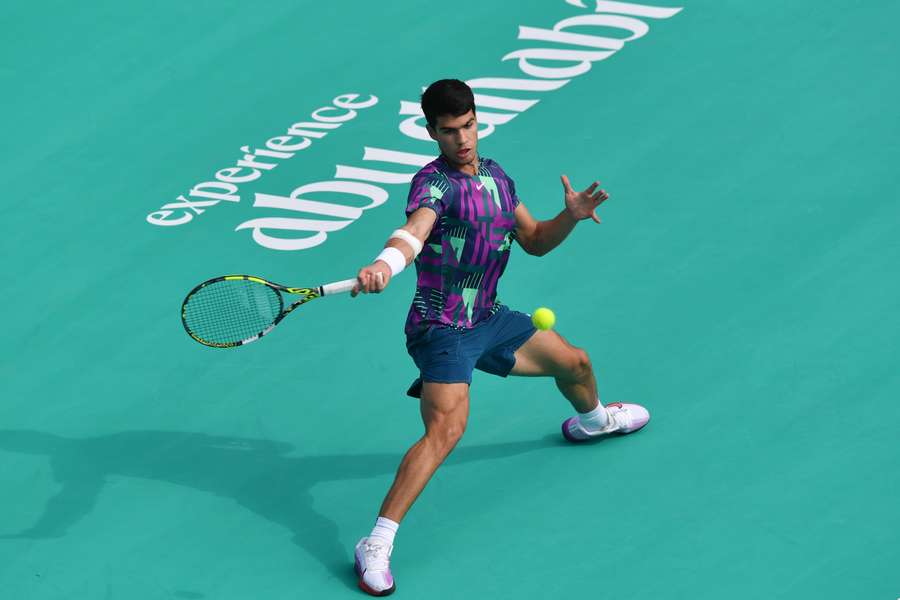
(743, 286)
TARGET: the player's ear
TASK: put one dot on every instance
(431, 132)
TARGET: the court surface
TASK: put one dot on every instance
(743, 286)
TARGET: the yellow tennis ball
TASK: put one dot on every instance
(543, 318)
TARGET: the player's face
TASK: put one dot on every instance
(457, 138)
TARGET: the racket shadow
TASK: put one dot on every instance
(258, 474)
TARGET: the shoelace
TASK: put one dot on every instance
(620, 417)
(377, 557)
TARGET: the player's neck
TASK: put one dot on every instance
(470, 168)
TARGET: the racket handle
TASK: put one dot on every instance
(338, 287)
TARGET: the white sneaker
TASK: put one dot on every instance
(623, 418)
(373, 566)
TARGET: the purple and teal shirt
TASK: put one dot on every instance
(468, 248)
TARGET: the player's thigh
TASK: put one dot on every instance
(547, 353)
(445, 407)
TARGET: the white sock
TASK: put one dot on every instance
(385, 529)
(594, 420)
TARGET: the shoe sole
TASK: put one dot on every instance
(362, 584)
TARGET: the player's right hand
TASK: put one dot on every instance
(372, 279)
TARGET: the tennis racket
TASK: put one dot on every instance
(234, 310)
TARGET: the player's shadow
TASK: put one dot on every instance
(257, 474)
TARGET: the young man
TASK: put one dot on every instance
(462, 216)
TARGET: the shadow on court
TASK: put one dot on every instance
(256, 474)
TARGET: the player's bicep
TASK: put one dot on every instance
(526, 227)
(420, 223)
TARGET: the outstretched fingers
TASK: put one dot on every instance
(598, 199)
(592, 195)
(600, 196)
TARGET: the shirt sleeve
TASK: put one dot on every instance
(512, 191)
(431, 191)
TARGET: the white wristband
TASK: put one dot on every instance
(410, 239)
(394, 258)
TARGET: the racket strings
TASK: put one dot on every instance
(231, 311)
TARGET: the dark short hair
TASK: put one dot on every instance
(447, 97)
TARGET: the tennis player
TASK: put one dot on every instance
(463, 215)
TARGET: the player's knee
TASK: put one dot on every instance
(579, 364)
(447, 433)
(452, 432)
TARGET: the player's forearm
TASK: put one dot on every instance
(403, 247)
(399, 251)
(550, 234)
(408, 242)
(418, 225)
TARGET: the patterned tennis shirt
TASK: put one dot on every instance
(468, 248)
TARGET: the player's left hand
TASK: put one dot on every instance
(583, 205)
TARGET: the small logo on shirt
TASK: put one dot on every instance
(479, 186)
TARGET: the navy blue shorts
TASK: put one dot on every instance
(447, 355)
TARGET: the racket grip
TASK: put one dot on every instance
(338, 287)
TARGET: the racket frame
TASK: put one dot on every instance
(306, 293)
